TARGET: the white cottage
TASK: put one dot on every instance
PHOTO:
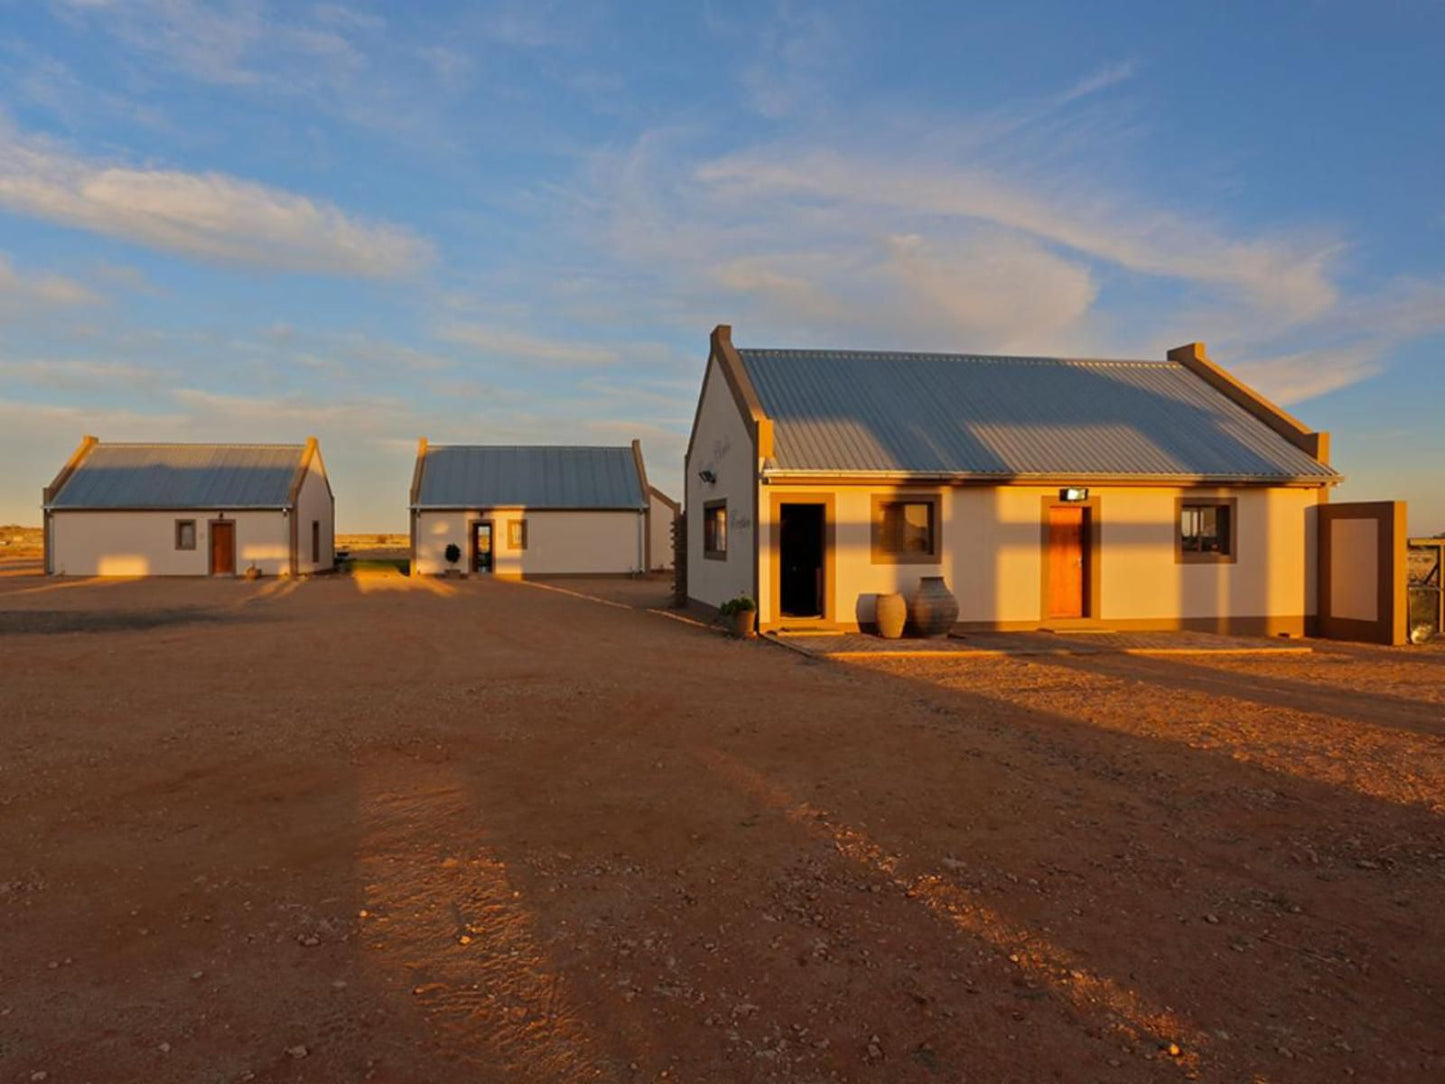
(530, 510)
(190, 510)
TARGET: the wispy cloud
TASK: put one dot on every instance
(79, 375)
(22, 294)
(1289, 274)
(504, 343)
(210, 216)
(1293, 378)
(1102, 79)
(231, 43)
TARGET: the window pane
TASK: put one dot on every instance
(715, 529)
(1204, 528)
(907, 527)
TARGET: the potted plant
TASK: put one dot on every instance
(741, 614)
(453, 555)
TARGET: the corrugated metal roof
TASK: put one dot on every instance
(531, 476)
(220, 476)
(967, 414)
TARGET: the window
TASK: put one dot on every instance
(715, 530)
(905, 529)
(1206, 530)
(185, 534)
(315, 542)
(517, 533)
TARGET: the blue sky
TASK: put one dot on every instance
(519, 221)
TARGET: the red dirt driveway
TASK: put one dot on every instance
(380, 829)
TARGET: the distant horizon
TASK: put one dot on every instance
(517, 223)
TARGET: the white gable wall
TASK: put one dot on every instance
(720, 444)
(314, 505)
(143, 543)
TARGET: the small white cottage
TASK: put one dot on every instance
(190, 510)
(528, 510)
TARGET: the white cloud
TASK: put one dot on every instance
(513, 344)
(210, 216)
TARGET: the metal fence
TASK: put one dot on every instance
(1427, 600)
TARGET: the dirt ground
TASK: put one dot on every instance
(369, 828)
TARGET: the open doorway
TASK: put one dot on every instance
(481, 546)
(802, 560)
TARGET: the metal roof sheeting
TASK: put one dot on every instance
(183, 476)
(966, 414)
(529, 476)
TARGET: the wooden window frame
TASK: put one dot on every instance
(195, 534)
(884, 556)
(708, 552)
(1193, 557)
(517, 534)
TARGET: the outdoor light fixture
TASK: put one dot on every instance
(710, 477)
(1074, 493)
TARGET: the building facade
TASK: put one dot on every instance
(1046, 492)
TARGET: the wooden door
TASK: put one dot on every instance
(1068, 572)
(223, 548)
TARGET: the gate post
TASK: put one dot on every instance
(679, 561)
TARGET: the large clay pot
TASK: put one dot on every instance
(932, 609)
(743, 623)
(892, 615)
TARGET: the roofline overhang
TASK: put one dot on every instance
(528, 508)
(865, 477)
(167, 508)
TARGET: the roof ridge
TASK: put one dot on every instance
(197, 444)
(930, 355)
(539, 447)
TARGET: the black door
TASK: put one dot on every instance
(801, 528)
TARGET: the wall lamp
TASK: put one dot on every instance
(708, 476)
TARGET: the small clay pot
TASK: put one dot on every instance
(891, 615)
(932, 609)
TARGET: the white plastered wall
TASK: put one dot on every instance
(557, 543)
(313, 505)
(720, 444)
(143, 543)
(992, 554)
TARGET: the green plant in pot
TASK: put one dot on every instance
(741, 614)
(453, 554)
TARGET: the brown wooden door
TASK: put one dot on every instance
(223, 548)
(1068, 574)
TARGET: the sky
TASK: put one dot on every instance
(518, 222)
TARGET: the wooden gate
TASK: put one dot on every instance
(1362, 572)
(1427, 598)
